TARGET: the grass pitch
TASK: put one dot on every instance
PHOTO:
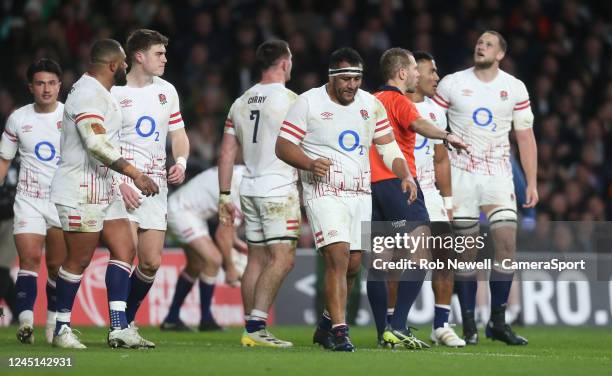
(551, 351)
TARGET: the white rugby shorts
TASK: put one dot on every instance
(339, 219)
(271, 220)
(34, 215)
(89, 217)
(471, 191)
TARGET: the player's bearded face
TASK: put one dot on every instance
(487, 51)
(345, 87)
(120, 76)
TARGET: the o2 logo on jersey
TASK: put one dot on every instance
(349, 141)
(483, 117)
(45, 151)
(141, 128)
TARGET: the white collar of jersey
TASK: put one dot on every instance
(348, 71)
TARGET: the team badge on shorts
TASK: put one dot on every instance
(512, 196)
(432, 116)
(503, 95)
(59, 125)
(162, 99)
(364, 114)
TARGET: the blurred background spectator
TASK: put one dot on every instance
(560, 49)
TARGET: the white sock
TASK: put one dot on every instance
(51, 317)
(26, 318)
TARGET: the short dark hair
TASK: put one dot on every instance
(422, 55)
(104, 50)
(142, 40)
(44, 65)
(269, 52)
(347, 55)
(392, 61)
(502, 41)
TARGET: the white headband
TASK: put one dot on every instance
(349, 71)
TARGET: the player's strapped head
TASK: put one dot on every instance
(345, 61)
(142, 40)
(107, 55)
(44, 65)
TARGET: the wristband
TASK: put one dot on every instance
(181, 161)
(225, 198)
(448, 203)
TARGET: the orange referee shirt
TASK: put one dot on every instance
(401, 112)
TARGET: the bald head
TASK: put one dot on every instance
(107, 62)
(104, 51)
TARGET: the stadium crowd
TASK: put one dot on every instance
(560, 49)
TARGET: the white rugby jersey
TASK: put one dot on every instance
(81, 178)
(481, 113)
(37, 138)
(255, 119)
(424, 147)
(200, 195)
(149, 113)
(343, 134)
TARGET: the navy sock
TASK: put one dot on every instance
(465, 286)
(500, 284)
(184, 284)
(25, 290)
(67, 286)
(140, 284)
(51, 295)
(441, 313)
(325, 321)
(207, 289)
(117, 287)
(377, 295)
(407, 292)
(255, 325)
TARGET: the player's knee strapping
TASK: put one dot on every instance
(466, 225)
(502, 217)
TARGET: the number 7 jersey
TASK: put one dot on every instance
(149, 113)
(255, 119)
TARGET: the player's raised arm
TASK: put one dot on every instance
(426, 129)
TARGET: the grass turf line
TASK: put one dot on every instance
(552, 350)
